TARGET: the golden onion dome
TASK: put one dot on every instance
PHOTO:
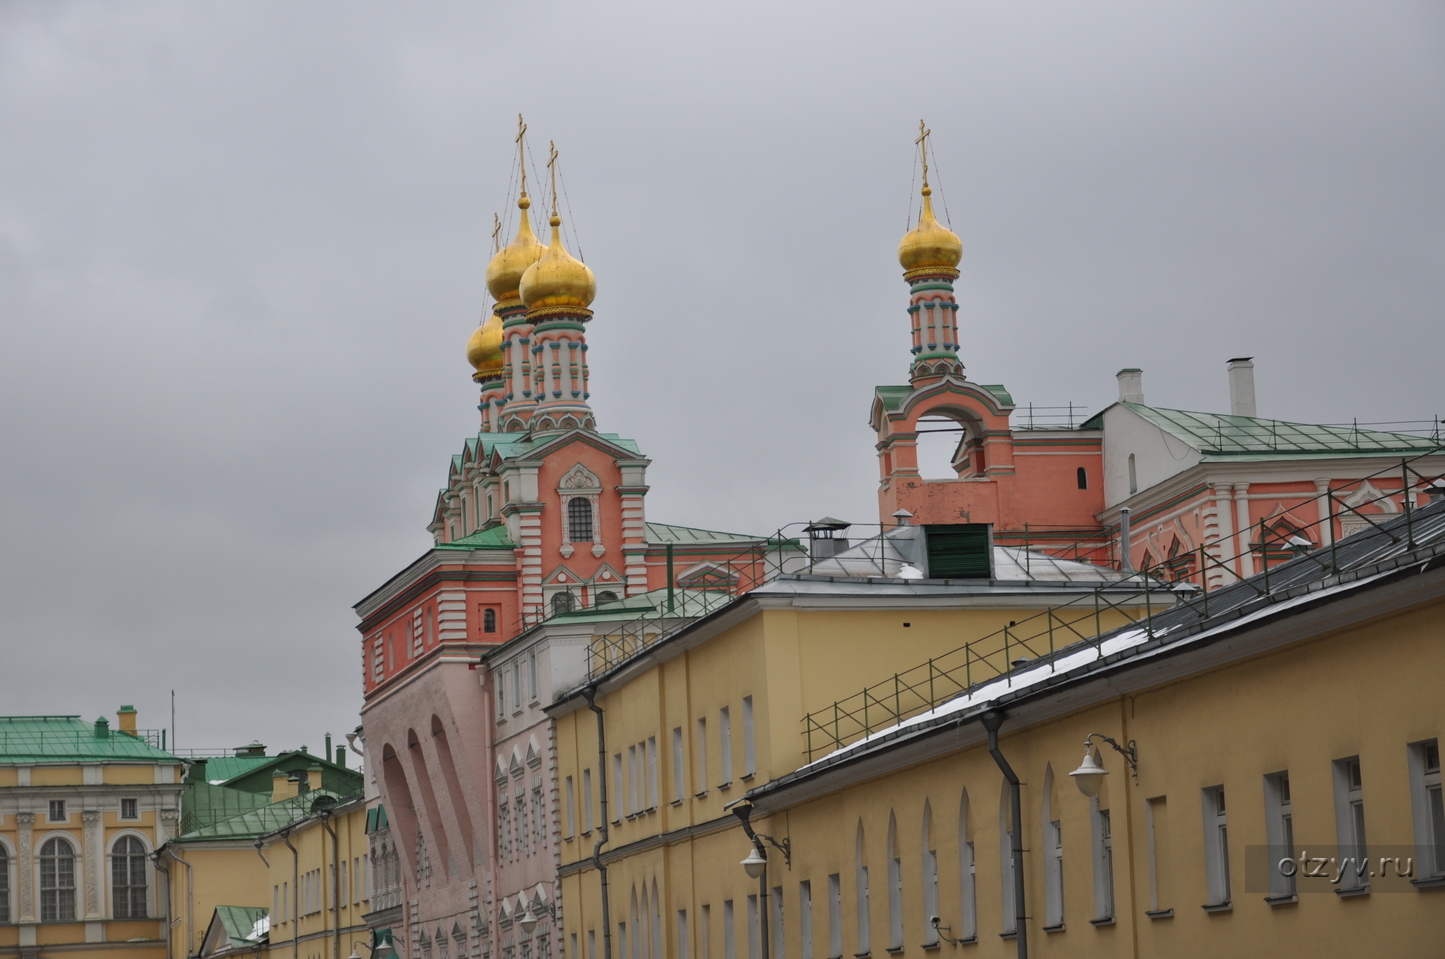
(484, 349)
(930, 244)
(558, 279)
(504, 273)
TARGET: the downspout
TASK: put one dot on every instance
(295, 895)
(590, 693)
(190, 901)
(335, 882)
(156, 861)
(744, 812)
(992, 720)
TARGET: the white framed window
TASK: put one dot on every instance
(571, 809)
(532, 684)
(895, 888)
(632, 803)
(835, 916)
(775, 925)
(730, 950)
(1053, 874)
(1103, 863)
(679, 772)
(501, 694)
(682, 942)
(704, 942)
(1428, 804)
(56, 812)
(516, 687)
(1155, 824)
(586, 801)
(1216, 847)
(967, 875)
(725, 741)
(1350, 825)
(930, 877)
(130, 809)
(128, 878)
(805, 919)
(750, 749)
(57, 880)
(619, 787)
(699, 749)
(752, 927)
(1279, 833)
(652, 772)
(860, 871)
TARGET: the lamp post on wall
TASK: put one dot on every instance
(756, 866)
(1089, 777)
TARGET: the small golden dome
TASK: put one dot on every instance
(484, 349)
(558, 279)
(504, 273)
(930, 244)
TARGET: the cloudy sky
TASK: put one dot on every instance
(242, 247)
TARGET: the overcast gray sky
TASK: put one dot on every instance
(242, 247)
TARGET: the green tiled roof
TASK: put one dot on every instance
(1216, 434)
(204, 804)
(494, 537)
(263, 819)
(661, 534)
(243, 924)
(221, 768)
(59, 739)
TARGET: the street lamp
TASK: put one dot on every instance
(755, 864)
(1089, 777)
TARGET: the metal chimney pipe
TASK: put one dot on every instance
(1126, 562)
(1241, 386)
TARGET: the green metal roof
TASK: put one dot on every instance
(221, 768)
(205, 804)
(494, 537)
(685, 602)
(257, 779)
(1216, 434)
(60, 739)
(263, 819)
(661, 534)
(243, 924)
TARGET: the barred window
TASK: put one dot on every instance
(4, 885)
(489, 621)
(579, 520)
(57, 881)
(128, 878)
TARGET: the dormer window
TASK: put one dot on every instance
(579, 520)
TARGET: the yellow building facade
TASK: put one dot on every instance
(82, 808)
(1263, 745)
(694, 721)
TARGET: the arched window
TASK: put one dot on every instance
(4, 885)
(607, 596)
(57, 881)
(1133, 476)
(489, 620)
(860, 869)
(895, 888)
(128, 878)
(579, 520)
(1083, 475)
(930, 877)
(1053, 855)
(968, 899)
(561, 603)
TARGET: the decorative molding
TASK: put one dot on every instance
(24, 867)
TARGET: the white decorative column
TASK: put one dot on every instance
(1326, 527)
(1223, 536)
(1241, 507)
(94, 853)
(25, 865)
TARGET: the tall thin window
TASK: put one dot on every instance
(1350, 825)
(699, 749)
(652, 772)
(591, 944)
(682, 942)
(1216, 846)
(4, 885)
(729, 945)
(1157, 820)
(895, 887)
(57, 881)
(586, 800)
(725, 740)
(620, 787)
(930, 877)
(775, 924)
(967, 874)
(1103, 863)
(750, 750)
(679, 774)
(633, 805)
(1133, 476)
(1428, 803)
(752, 927)
(805, 919)
(1083, 477)
(835, 916)
(579, 520)
(532, 674)
(704, 931)
(489, 620)
(571, 810)
(861, 875)
(1053, 856)
(128, 878)
(1279, 831)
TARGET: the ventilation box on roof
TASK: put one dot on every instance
(958, 550)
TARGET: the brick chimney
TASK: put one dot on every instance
(1131, 385)
(125, 719)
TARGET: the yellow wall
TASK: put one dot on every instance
(220, 874)
(1368, 691)
(313, 936)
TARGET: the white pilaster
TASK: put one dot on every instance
(1241, 506)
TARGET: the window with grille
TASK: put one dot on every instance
(4, 885)
(128, 878)
(489, 620)
(129, 809)
(57, 810)
(57, 881)
(579, 520)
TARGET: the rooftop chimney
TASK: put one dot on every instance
(1241, 386)
(1131, 385)
(125, 719)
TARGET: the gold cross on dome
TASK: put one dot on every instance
(922, 141)
(522, 150)
(496, 233)
(552, 166)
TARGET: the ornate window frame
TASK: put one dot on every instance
(580, 481)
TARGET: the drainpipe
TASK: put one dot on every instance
(156, 860)
(335, 878)
(743, 811)
(590, 694)
(1126, 561)
(190, 901)
(295, 895)
(992, 720)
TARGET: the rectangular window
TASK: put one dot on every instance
(775, 924)
(682, 934)
(571, 810)
(57, 810)
(729, 946)
(516, 688)
(703, 942)
(752, 927)
(1428, 805)
(895, 903)
(1006, 873)
(1350, 825)
(1053, 875)
(618, 786)
(285, 902)
(633, 805)
(1279, 833)
(679, 773)
(344, 876)
(591, 944)
(622, 940)
(651, 772)
(501, 694)
(725, 740)
(276, 902)
(805, 919)
(586, 801)
(129, 809)
(1103, 865)
(699, 748)
(930, 895)
(532, 684)
(574, 952)
(1216, 846)
(968, 926)
(378, 661)
(750, 750)
(835, 916)
(865, 936)
(1156, 811)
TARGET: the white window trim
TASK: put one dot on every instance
(1347, 799)
(1216, 847)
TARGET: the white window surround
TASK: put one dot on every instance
(725, 742)
(1350, 824)
(805, 919)
(1216, 847)
(1279, 833)
(1103, 847)
(580, 481)
(835, 916)
(1428, 806)
(750, 749)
